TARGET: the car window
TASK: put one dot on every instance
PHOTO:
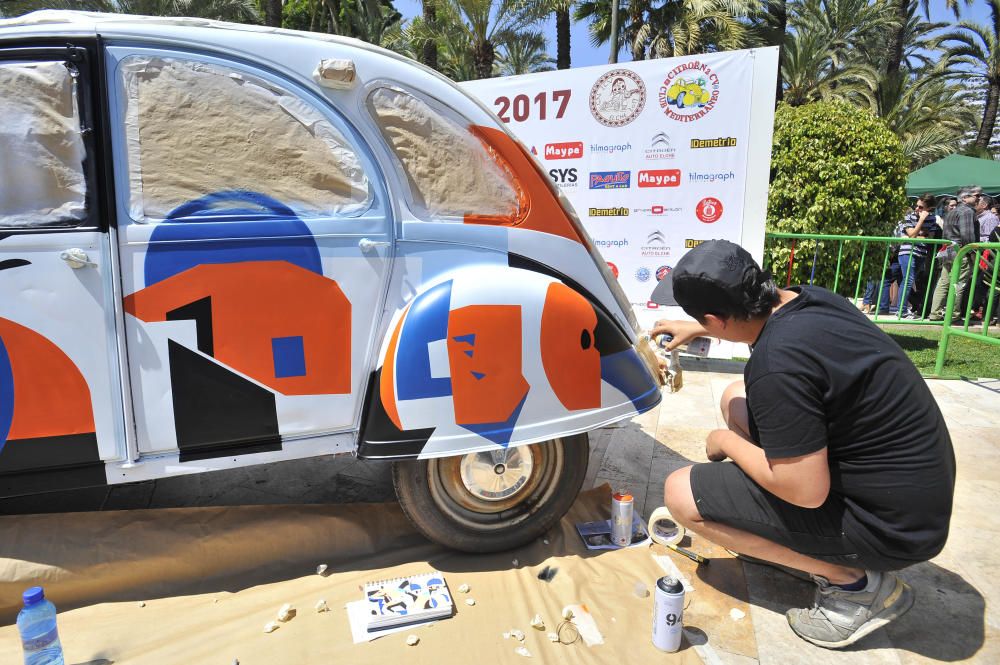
(42, 181)
(451, 172)
(196, 128)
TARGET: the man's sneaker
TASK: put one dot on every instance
(936, 317)
(839, 618)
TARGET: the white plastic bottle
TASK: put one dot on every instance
(668, 614)
(36, 623)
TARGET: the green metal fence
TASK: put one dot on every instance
(875, 259)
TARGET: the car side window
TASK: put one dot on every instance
(195, 128)
(42, 150)
(451, 172)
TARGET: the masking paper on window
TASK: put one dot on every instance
(42, 181)
(196, 128)
(450, 171)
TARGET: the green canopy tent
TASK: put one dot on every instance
(947, 175)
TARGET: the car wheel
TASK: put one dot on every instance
(680, 100)
(494, 500)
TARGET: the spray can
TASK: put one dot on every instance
(668, 614)
(621, 519)
(699, 346)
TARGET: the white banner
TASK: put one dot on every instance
(655, 156)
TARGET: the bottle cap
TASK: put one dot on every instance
(669, 585)
(33, 596)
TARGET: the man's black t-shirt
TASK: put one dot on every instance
(822, 375)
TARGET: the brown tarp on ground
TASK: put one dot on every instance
(211, 578)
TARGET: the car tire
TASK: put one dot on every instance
(680, 100)
(466, 504)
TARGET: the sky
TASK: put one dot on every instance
(583, 54)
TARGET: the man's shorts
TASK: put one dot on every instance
(725, 494)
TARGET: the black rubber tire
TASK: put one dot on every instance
(419, 487)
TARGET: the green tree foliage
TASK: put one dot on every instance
(836, 169)
(664, 28)
(242, 11)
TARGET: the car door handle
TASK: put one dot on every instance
(76, 258)
(367, 244)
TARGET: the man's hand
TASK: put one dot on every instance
(682, 331)
(714, 445)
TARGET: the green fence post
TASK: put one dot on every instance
(861, 268)
(970, 291)
(881, 281)
(948, 307)
(836, 276)
(991, 296)
(930, 280)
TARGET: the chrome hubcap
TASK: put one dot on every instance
(496, 475)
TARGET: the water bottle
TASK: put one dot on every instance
(668, 614)
(37, 625)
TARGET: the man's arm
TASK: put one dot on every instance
(803, 481)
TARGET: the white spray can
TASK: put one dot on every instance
(621, 519)
(668, 614)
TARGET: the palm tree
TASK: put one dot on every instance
(429, 54)
(660, 29)
(561, 8)
(526, 55)
(812, 70)
(243, 11)
(974, 51)
(484, 27)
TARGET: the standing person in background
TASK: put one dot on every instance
(987, 224)
(988, 219)
(950, 205)
(961, 227)
(913, 256)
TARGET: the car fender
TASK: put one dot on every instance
(491, 356)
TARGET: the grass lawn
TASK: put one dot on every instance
(966, 357)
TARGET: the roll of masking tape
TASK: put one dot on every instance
(663, 529)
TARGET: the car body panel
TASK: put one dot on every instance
(236, 330)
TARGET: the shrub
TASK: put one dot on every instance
(836, 169)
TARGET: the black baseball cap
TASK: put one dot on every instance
(714, 269)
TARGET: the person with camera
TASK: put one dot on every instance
(840, 463)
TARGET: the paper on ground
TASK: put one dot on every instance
(357, 614)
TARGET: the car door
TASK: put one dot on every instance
(255, 244)
(60, 395)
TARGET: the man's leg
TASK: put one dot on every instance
(680, 501)
(940, 297)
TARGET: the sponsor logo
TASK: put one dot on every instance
(721, 142)
(568, 150)
(662, 272)
(607, 212)
(610, 179)
(617, 98)
(565, 178)
(642, 274)
(652, 305)
(660, 148)
(534, 151)
(689, 91)
(709, 210)
(613, 268)
(722, 176)
(657, 210)
(659, 178)
(691, 243)
(610, 148)
(656, 245)
(612, 242)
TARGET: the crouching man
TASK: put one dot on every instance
(840, 463)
